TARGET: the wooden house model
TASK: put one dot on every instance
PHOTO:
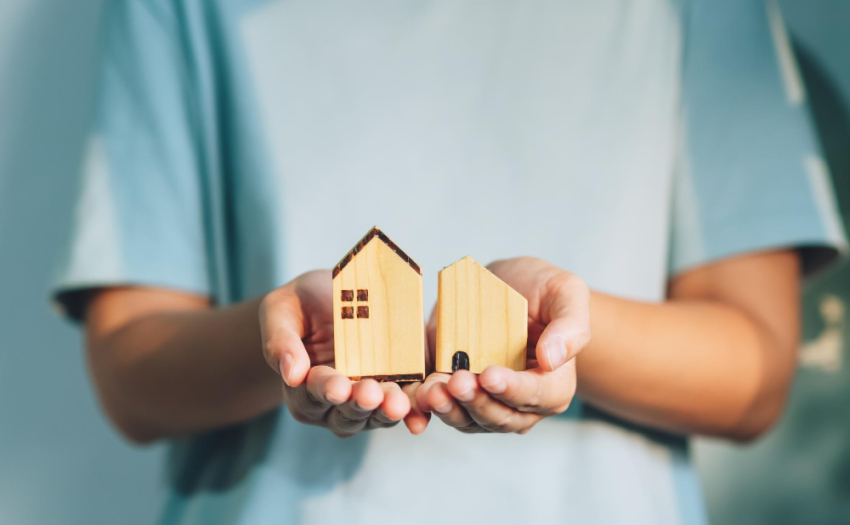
(378, 314)
(481, 321)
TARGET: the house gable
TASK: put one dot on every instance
(378, 313)
(480, 315)
(372, 234)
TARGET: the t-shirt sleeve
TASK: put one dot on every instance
(750, 175)
(140, 214)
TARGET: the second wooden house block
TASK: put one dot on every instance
(378, 319)
(481, 321)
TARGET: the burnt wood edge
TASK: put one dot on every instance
(375, 232)
(392, 378)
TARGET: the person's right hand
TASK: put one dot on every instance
(296, 323)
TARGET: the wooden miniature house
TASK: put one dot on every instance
(378, 315)
(481, 321)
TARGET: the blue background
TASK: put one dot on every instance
(59, 460)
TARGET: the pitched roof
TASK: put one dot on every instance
(470, 260)
(375, 232)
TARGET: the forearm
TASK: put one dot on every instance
(178, 372)
(690, 366)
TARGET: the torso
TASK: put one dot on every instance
(459, 128)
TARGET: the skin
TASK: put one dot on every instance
(169, 364)
(500, 399)
(296, 327)
(716, 358)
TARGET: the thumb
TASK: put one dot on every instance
(281, 327)
(566, 304)
(294, 362)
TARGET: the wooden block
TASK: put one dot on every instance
(480, 315)
(378, 314)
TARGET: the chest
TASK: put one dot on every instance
(489, 129)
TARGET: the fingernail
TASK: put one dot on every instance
(443, 408)
(286, 368)
(465, 396)
(556, 352)
(496, 387)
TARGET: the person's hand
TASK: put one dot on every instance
(296, 323)
(501, 399)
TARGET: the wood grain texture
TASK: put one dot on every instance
(388, 344)
(479, 314)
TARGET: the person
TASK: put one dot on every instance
(644, 173)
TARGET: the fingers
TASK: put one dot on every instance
(489, 413)
(416, 420)
(565, 309)
(327, 398)
(327, 386)
(311, 401)
(394, 408)
(352, 416)
(534, 391)
(433, 396)
(450, 411)
(282, 327)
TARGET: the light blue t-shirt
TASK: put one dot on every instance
(239, 143)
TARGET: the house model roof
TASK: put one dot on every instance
(375, 233)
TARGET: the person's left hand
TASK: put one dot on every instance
(501, 399)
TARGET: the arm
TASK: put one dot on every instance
(166, 363)
(716, 358)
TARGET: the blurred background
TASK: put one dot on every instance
(61, 463)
